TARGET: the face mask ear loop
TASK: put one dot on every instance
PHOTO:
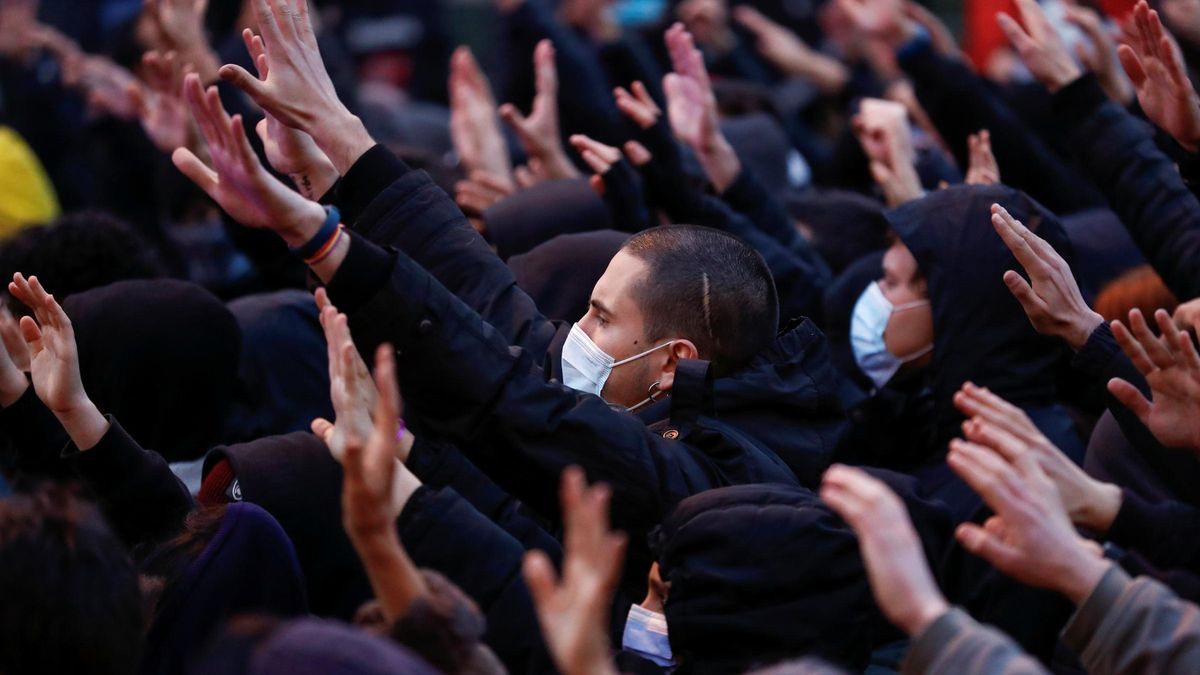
(653, 393)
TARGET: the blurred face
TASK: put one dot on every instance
(615, 322)
(909, 330)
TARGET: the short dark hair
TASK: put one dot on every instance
(80, 251)
(709, 287)
(70, 593)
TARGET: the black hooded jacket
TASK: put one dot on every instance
(981, 333)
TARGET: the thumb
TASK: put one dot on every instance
(984, 544)
(1023, 292)
(1131, 397)
(637, 153)
(242, 79)
(597, 184)
(1132, 65)
(539, 577)
(191, 166)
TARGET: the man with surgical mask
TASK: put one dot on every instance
(891, 327)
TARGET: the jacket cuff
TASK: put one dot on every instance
(364, 271)
(1098, 352)
(1134, 519)
(1087, 619)
(367, 179)
(116, 455)
(929, 645)
(1079, 99)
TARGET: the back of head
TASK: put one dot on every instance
(759, 574)
(69, 593)
(78, 252)
(162, 357)
(708, 287)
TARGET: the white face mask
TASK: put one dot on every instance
(868, 324)
(586, 367)
(646, 636)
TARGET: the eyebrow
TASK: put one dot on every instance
(599, 307)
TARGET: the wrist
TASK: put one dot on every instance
(1081, 576)
(302, 224)
(720, 162)
(314, 180)
(342, 137)
(1081, 330)
(84, 424)
(1061, 77)
(927, 611)
(1101, 510)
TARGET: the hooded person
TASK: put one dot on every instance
(228, 561)
(756, 574)
(943, 312)
(559, 274)
(161, 356)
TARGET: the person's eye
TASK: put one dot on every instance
(601, 320)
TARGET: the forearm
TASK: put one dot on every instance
(1142, 184)
(394, 578)
(956, 643)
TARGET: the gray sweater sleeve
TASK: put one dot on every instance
(1133, 626)
(957, 644)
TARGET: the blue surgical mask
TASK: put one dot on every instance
(868, 323)
(646, 636)
(586, 366)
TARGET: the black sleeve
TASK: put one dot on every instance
(142, 500)
(1167, 533)
(441, 531)
(36, 436)
(442, 465)
(1143, 185)
(393, 205)
(960, 103)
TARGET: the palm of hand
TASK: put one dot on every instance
(691, 112)
(1173, 107)
(248, 193)
(55, 371)
(289, 150)
(166, 122)
(1173, 415)
(571, 611)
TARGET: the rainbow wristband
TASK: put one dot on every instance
(324, 238)
(325, 250)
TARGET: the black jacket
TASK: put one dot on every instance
(1142, 184)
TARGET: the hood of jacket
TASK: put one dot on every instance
(981, 333)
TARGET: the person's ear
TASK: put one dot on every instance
(679, 349)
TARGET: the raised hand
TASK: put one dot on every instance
(883, 20)
(290, 151)
(375, 489)
(18, 20)
(1101, 57)
(1030, 538)
(13, 384)
(237, 180)
(1039, 46)
(159, 103)
(692, 109)
(573, 610)
(615, 181)
(1172, 369)
(939, 33)
(473, 126)
(638, 106)
(296, 89)
(708, 21)
(1155, 65)
(788, 53)
(351, 389)
(983, 168)
(479, 191)
(181, 25)
(54, 363)
(900, 578)
(886, 138)
(1006, 429)
(538, 132)
(1053, 302)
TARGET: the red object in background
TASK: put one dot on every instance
(982, 35)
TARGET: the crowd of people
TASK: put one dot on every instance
(705, 337)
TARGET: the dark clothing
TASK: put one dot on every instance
(162, 356)
(522, 221)
(141, 499)
(249, 566)
(560, 274)
(1166, 532)
(1143, 185)
(960, 103)
(759, 574)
